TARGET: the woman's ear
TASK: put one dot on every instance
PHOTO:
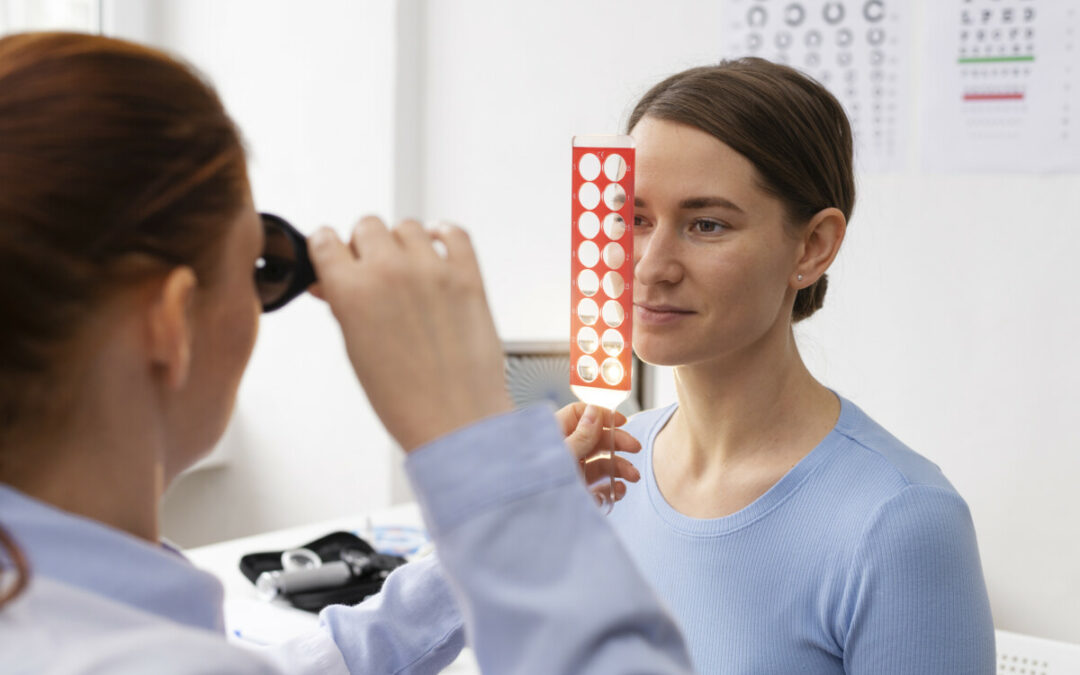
(169, 326)
(821, 241)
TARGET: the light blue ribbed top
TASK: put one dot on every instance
(861, 559)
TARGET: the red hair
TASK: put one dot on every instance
(115, 159)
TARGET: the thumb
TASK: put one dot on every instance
(582, 442)
(330, 258)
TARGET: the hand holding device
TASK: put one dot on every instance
(584, 428)
(416, 324)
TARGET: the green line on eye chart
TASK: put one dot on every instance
(995, 59)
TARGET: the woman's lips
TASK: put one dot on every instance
(659, 315)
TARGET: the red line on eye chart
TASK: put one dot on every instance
(1011, 96)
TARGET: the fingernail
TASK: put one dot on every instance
(590, 414)
(637, 475)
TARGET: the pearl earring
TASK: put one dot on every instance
(798, 278)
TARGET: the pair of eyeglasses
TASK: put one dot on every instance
(284, 271)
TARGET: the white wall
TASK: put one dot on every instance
(951, 315)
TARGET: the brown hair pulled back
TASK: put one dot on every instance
(791, 128)
(115, 160)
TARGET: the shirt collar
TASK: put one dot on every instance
(101, 559)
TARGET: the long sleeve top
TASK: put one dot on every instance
(527, 568)
(861, 560)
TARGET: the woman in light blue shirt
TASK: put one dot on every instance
(133, 269)
(787, 531)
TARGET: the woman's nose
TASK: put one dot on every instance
(656, 258)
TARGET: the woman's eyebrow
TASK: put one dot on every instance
(705, 202)
(694, 203)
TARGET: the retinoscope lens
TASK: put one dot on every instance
(284, 270)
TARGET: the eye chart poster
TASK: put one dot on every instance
(859, 49)
(1002, 80)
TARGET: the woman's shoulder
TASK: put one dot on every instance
(876, 479)
(886, 498)
(869, 444)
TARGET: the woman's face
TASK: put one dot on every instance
(713, 261)
(225, 317)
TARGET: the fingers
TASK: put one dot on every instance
(590, 443)
(601, 492)
(371, 236)
(412, 236)
(624, 442)
(589, 437)
(459, 248)
(590, 434)
(569, 416)
(370, 239)
(625, 470)
(620, 490)
(600, 468)
(585, 436)
(330, 257)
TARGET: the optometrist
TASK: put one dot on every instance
(128, 312)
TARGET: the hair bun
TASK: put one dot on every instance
(810, 299)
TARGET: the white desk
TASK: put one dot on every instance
(251, 620)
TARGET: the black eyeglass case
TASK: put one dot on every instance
(329, 549)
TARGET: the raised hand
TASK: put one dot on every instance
(416, 324)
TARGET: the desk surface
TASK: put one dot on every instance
(251, 620)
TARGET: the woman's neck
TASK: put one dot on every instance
(102, 462)
(122, 494)
(762, 403)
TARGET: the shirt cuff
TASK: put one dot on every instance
(314, 652)
(487, 464)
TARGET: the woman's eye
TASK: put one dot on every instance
(708, 226)
(640, 222)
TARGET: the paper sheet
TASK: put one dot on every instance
(859, 49)
(1001, 86)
